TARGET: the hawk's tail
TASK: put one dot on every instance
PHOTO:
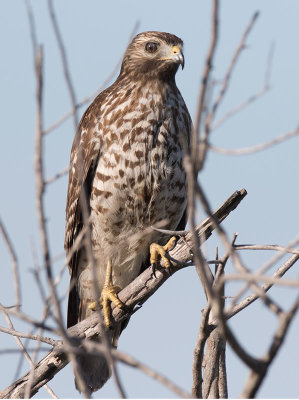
(94, 369)
(94, 373)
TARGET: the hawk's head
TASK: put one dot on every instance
(154, 53)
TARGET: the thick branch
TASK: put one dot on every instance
(144, 286)
(214, 380)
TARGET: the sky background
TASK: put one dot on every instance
(95, 34)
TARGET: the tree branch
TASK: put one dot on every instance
(257, 147)
(256, 377)
(15, 267)
(135, 294)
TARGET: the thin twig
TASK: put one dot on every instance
(57, 176)
(256, 148)
(40, 187)
(267, 265)
(26, 355)
(231, 67)
(32, 28)
(15, 267)
(229, 248)
(65, 66)
(253, 277)
(35, 356)
(266, 247)
(252, 98)
(203, 90)
(22, 316)
(204, 145)
(87, 99)
(231, 311)
(256, 378)
(39, 338)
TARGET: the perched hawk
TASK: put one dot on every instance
(126, 166)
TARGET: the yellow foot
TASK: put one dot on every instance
(108, 295)
(157, 251)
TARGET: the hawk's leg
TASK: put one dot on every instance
(157, 251)
(108, 295)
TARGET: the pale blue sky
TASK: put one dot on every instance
(95, 33)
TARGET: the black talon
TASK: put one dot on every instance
(169, 270)
(154, 270)
(125, 309)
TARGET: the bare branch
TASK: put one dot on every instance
(35, 357)
(40, 187)
(258, 366)
(253, 97)
(42, 339)
(26, 355)
(57, 176)
(230, 312)
(233, 63)
(253, 277)
(268, 264)
(266, 247)
(15, 268)
(22, 316)
(204, 145)
(230, 249)
(256, 148)
(92, 96)
(199, 354)
(214, 379)
(66, 71)
(213, 364)
(256, 377)
(203, 90)
(32, 28)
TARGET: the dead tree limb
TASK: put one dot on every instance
(210, 350)
(143, 287)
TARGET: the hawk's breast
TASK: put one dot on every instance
(139, 178)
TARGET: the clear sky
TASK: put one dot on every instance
(95, 34)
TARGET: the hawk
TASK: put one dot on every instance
(126, 174)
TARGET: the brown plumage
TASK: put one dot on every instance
(130, 165)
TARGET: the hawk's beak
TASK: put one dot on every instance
(175, 55)
(178, 56)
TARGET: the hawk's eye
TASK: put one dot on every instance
(151, 47)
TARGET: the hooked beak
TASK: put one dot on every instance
(178, 56)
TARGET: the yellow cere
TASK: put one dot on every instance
(176, 49)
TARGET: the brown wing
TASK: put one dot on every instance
(84, 158)
(88, 143)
